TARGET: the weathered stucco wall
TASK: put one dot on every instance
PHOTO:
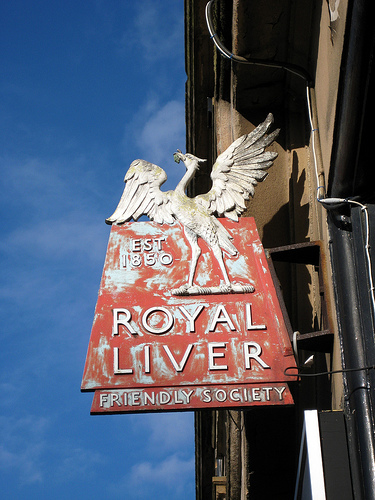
(311, 36)
(329, 58)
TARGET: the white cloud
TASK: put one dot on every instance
(58, 239)
(156, 32)
(171, 476)
(39, 188)
(23, 445)
(26, 462)
(54, 210)
(164, 130)
(52, 248)
(77, 462)
(168, 432)
(167, 459)
(35, 453)
(158, 131)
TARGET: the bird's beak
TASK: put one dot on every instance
(178, 156)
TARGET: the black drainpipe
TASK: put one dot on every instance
(354, 313)
(357, 403)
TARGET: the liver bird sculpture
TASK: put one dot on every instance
(234, 175)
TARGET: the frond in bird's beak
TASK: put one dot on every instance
(178, 156)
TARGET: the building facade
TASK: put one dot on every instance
(309, 63)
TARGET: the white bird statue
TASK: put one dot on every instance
(234, 175)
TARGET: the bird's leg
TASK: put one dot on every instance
(218, 253)
(195, 254)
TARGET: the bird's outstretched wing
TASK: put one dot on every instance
(142, 195)
(238, 170)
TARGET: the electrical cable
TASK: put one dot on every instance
(291, 68)
(294, 69)
(319, 173)
(327, 203)
(300, 72)
(319, 374)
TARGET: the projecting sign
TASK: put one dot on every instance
(157, 345)
(176, 325)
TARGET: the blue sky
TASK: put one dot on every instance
(86, 87)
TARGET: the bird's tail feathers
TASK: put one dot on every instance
(225, 238)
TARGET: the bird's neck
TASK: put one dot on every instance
(182, 185)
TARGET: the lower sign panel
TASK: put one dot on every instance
(158, 346)
(189, 398)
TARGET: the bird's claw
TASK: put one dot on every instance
(181, 290)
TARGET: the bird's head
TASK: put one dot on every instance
(190, 161)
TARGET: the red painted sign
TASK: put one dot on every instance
(153, 350)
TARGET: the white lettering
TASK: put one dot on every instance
(116, 369)
(136, 245)
(256, 394)
(136, 398)
(114, 398)
(103, 398)
(242, 395)
(220, 395)
(221, 319)
(178, 366)
(147, 246)
(267, 390)
(191, 318)
(249, 320)
(187, 395)
(164, 328)
(235, 397)
(253, 355)
(122, 321)
(280, 391)
(158, 242)
(164, 397)
(149, 398)
(136, 260)
(147, 358)
(206, 396)
(212, 355)
(166, 259)
(150, 259)
(176, 400)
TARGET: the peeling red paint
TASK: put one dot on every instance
(146, 339)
